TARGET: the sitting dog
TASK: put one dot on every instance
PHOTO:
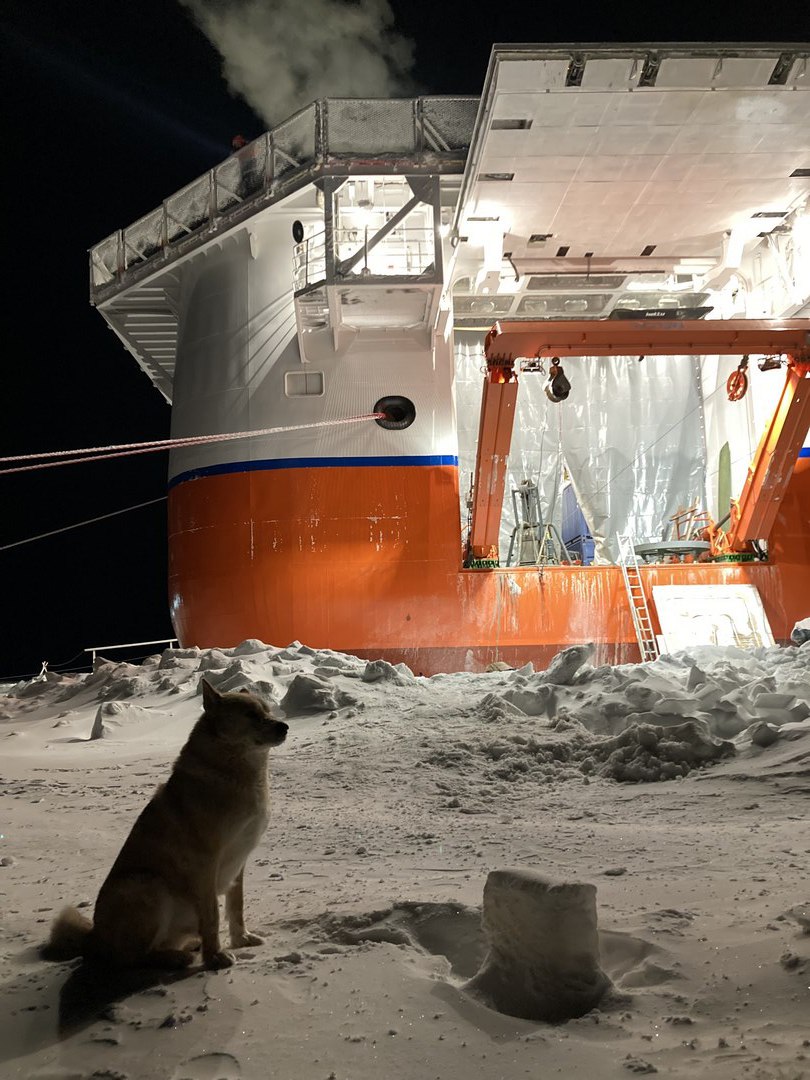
(159, 902)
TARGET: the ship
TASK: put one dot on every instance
(408, 342)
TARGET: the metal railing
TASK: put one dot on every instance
(93, 649)
(327, 135)
(404, 252)
(309, 261)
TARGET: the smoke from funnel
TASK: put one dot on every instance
(281, 54)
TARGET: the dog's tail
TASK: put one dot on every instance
(69, 936)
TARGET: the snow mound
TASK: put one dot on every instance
(251, 647)
(536, 699)
(645, 752)
(564, 749)
(382, 671)
(801, 914)
(565, 665)
(213, 660)
(494, 709)
(308, 694)
(237, 676)
(628, 723)
(173, 658)
(126, 720)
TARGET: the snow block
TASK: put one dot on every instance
(543, 961)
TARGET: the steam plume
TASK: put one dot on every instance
(281, 54)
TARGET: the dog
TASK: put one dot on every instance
(159, 902)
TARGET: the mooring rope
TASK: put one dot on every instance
(78, 524)
(101, 453)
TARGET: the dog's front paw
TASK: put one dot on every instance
(218, 960)
(239, 941)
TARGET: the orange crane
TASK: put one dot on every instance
(753, 514)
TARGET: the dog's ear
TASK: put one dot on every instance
(211, 696)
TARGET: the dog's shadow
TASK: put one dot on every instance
(52, 1003)
(92, 992)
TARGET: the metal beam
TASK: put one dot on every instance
(349, 264)
(770, 472)
(647, 337)
(494, 441)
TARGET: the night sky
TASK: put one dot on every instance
(109, 108)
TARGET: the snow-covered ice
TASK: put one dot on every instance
(668, 800)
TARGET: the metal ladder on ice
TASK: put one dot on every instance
(639, 609)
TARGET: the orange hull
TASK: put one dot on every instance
(367, 560)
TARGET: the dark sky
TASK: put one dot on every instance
(108, 108)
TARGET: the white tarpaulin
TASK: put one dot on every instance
(536, 447)
(633, 444)
(630, 435)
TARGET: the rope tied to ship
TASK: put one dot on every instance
(102, 453)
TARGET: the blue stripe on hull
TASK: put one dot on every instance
(310, 463)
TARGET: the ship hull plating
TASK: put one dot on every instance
(366, 560)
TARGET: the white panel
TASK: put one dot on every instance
(799, 74)
(654, 106)
(782, 136)
(633, 141)
(737, 107)
(674, 165)
(745, 71)
(682, 71)
(612, 74)
(716, 72)
(506, 105)
(638, 168)
(531, 74)
(694, 615)
(570, 108)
